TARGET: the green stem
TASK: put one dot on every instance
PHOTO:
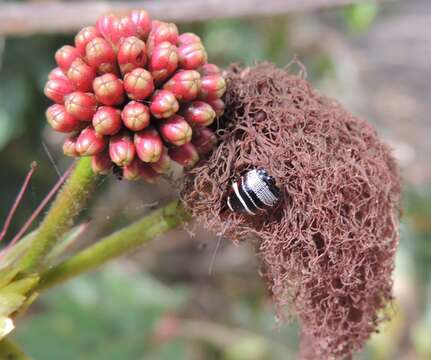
(10, 351)
(68, 204)
(116, 244)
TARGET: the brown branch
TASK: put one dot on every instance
(56, 17)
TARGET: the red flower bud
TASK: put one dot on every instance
(148, 174)
(149, 146)
(81, 75)
(84, 36)
(125, 29)
(107, 25)
(164, 104)
(204, 140)
(136, 116)
(163, 61)
(163, 165)
(209, 69)
(185, 85)
(142, 22)
(57, 89)
(188, 38)
(107, 120)
(60, 120)
(176, 131)
(212, 87)
(199, 113)
(109, 89)
(58, 74)
(90, 142)
(191, 56)
(160, 32)
(217, 105)
(65, 56)
(138, 84)
(69, 146)
(134, 170)
(81, 105)
(121, 149)
(185, 155)
(101, 163)
(100, 55)
(131, 54)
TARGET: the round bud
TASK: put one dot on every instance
(131, 54)
(176, 131)
(138, 84)
(204, 140)
(65, 56)
(142, 22)
(81, 105)
(135, 116)
(162, 31)
(217, 105)
(148, 174)
(101, 163)
(185, 155)
(212, 87)
(188, 38)
(163, 165)
(90, 143)
(107, 120)
(163, 61)
(192, 56)
(121, 149)
(69, 146)
(84, 36)
(164, 104)
(209, 69)
(81, 75)
(107, 25)
(185, 85)
(149, 145)
(109, 89)
(100, 55)
(58, 89)
(134, 170)
(58, 74)
(60, 120)
(199, 113)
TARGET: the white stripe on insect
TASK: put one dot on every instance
(238, 195)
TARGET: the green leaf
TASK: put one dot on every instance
(22, 286)
(10, 302)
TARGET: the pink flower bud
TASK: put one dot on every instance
(199, 113)
(212, 87)
(107, 25)
(185, 85)
(185, 155)
(90, 142)
(217, 105)
(163, 165)
(192, 56)
(125, 29)
(100, 55)
(107, 120)
(84, 36)
(58, 74)
(163, 61)
(176, 131)
(81, 105)
(138, 84)
(131, 54)
(69, 146)
(121, 149)
(148, 174)
(204, 140)
(65, 56)
(188, 38)
(160, 32)
(149, 145)
(58, 89)
(142, 22)
(164, 104)
(101, 163)
(109, 89)
(81, 75)
(136, 116)
(133, 170)
(209, 69)
(60, 120)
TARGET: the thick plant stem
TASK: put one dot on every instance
(8, 350)
(116, 244)
(60, 218)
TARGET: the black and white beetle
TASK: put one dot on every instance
(254, 191)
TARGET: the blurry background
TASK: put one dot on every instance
(200, 297)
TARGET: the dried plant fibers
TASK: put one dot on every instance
(327, 250)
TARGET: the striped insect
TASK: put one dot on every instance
(253, 192)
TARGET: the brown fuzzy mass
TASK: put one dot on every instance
(328, 248)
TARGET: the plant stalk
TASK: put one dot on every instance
(69, 202)
(116, 244)
(9, 350)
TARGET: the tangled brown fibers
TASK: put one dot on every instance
(327, 250)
